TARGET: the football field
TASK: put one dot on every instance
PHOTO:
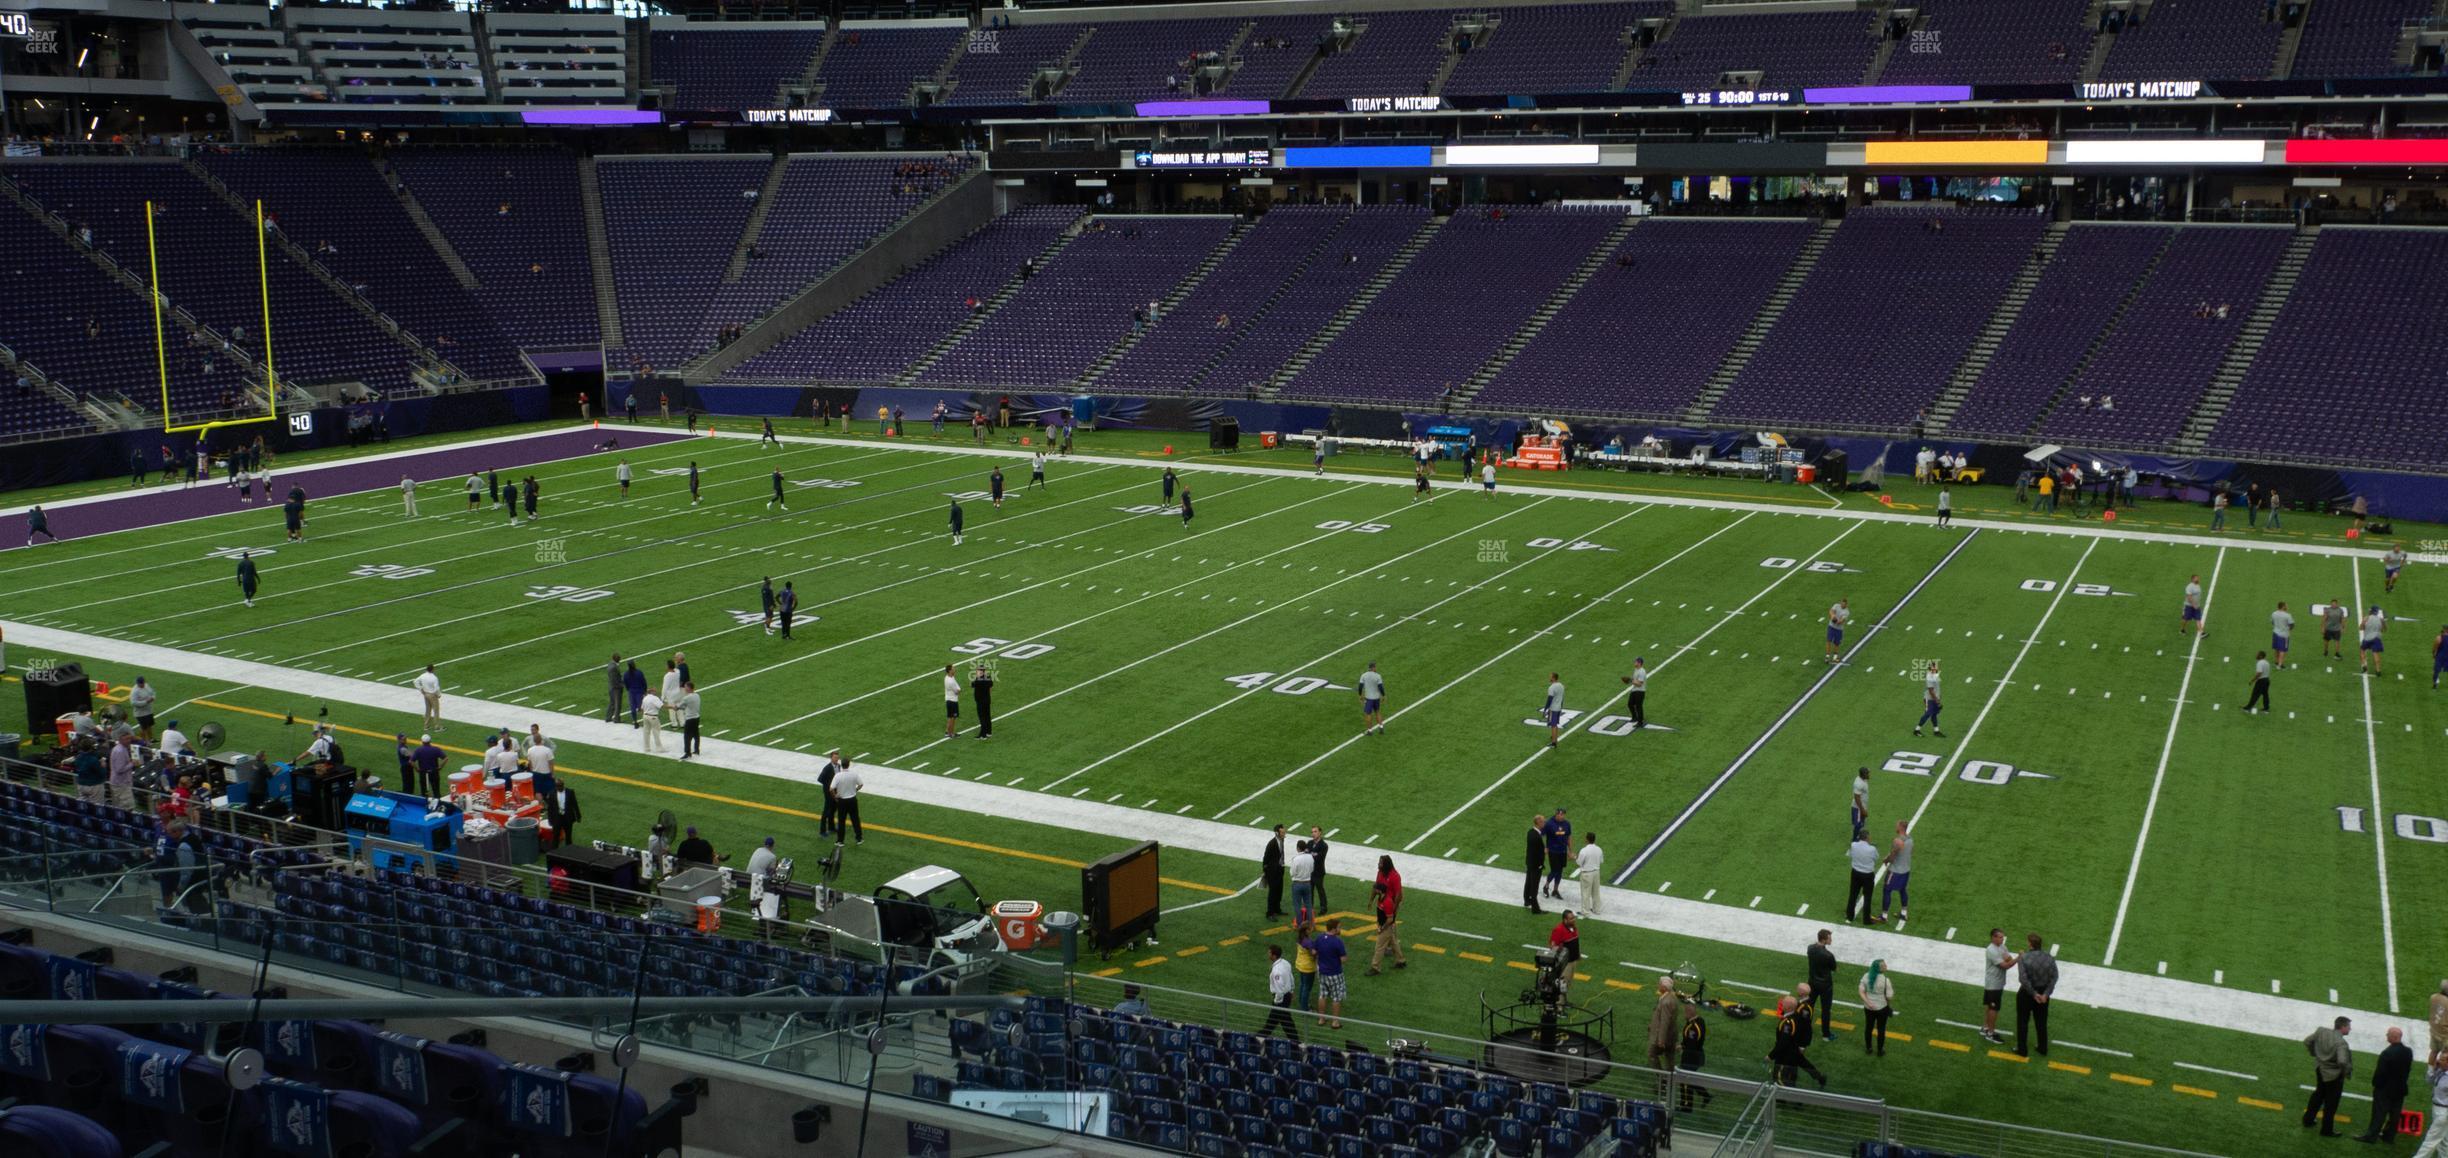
(2097, 780)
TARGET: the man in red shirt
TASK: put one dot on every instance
(1389, 895)
(1566, 936)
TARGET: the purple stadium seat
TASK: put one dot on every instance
(1081, 302)
(2183, 39)
(2077, 295)
(463, 191)
(729, 70)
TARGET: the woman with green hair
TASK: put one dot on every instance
(1878, 1002)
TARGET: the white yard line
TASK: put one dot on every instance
(1489, 662)
(729, 588)
(2150, 811)
(1658, 842)
(1591, 716)
(1244, 694)
(2379, 830)
(2212, 1006)
(1963, 745)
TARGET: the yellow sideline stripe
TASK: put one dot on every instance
(716, 798)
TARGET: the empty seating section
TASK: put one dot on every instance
(1563, 49)
(1277, 48)
(2351, 370)
(1000, 65)
(1550, 50)
(208, 266)
(1994, 42)
(2196, 38)
(742, 68)
(1307, 304)
(53, 295)
(563, 58)
(1449, 310)
(874, 338)
(1641, 338)
(2069, 309)
(1790, 49)
(1130, 61)
(34, 410)
(1081, 302)
(390, 56)
(2162, 355)
(2355, 37)
(672, 223)
(825, 210)
(873, 68)
(1231, 301)
(336, 204)
(1396, 54)
(255, 52)
(1880, 323)
(516, 218)
(1204, 1090)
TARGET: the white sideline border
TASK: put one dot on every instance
(2213, 1006)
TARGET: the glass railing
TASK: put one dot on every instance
(308, 906)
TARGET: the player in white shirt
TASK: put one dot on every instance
(429, 687)
(475, 489)
(2374, 623)
(2282, 630)
(1837, 617)
(1930, 704)
(407, 496)
(2390, 565)
(1588, 866)
(622, 473)
(1554, 711)
(1636, 701)
(2192, 618)
(2260, 684)
(1487, 480)
(1372, 701)
(1037, 470)
(671, 691)
(1858, 807)
(650, 723)
(952, 695)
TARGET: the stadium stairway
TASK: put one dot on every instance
(1993, 335)
(1886, 48)
(1266, 308)
(807, 85)
(2100, 44)
(433, 236)
(599, 255)
(2212, 405)
(1170, 302)
(2289, 42)
(767, 194)
(357, 301)
(2133, 293)
(977, 317)
(1481, 26)
(1761, 323)
(1352, 309)
(1633, 52)
(1555, 303)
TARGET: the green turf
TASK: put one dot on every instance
(1206, 671)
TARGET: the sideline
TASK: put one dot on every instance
(2216, 1006)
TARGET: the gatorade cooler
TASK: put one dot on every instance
(463, 782)
(1020, 923)
(709, 914)
(497, 792)
(1806, 474)
(522, 787)
(1269, 439)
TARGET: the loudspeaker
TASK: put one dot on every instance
(53, 692)
(1224, 434)
(1832, 469)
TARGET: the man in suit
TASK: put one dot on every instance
(561, 812)
(1271, 868)
(2389, 1089)
(1821, 957)
(2332, 1064)
(829, 824)
(1535, 863)
(2037, 969)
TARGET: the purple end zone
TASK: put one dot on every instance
(155, 505)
